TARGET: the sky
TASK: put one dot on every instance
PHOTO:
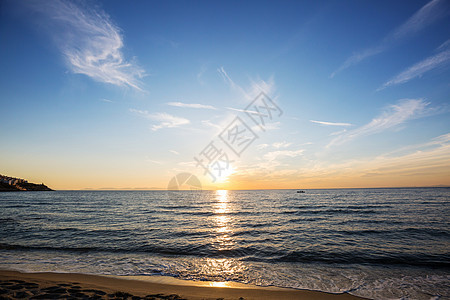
(239, 95)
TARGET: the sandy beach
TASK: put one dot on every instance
(81, 286)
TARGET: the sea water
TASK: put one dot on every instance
(375, 243)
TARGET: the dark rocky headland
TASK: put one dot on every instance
(12, 184)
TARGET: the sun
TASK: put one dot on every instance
(225, 174)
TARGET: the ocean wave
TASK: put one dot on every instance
(262, 254)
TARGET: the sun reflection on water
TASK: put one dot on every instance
(222, 268)
(222, 221)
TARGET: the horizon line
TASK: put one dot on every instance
(218, 189)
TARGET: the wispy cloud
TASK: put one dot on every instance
(259, 85)
(444, 45)
(255, 88)
(279, 145)
(338, 132)
(174, 152)
(90, 42)
(425, 16)
(211, 124)
(247, 111)
(165, 120)
(202, 71)
(269, 126)
(273, 155)
(142, 113)
(157, 162)
(187, 164)
(330, 123)
(230, 81)
(394, 115)
(191, 105)
(442, 140)
(106, 100)
(262, 146)
(435, 61)
(168, 121)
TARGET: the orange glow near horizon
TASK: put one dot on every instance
(416, 170)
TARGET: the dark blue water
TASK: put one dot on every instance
(377, 243)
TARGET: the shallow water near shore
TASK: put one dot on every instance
(375, 243)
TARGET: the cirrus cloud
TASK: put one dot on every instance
(90, 42)
(191, 105)
(165, 120)
(435, 61)
(425, 16)
(330, 123)
(393, 115)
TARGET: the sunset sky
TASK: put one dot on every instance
(124, 95)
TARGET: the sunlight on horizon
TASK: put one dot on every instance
(225, 174)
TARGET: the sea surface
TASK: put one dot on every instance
(376, 243)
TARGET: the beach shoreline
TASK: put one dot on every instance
(47, 285)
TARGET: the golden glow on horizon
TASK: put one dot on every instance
(416, 169)
(420, 168)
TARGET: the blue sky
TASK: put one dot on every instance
(116, 94)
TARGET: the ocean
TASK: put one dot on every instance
(375, 243)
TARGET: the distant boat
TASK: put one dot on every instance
(300, 191)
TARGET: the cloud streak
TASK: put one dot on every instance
(394, 115)
(247, 111)
(271, 156)
(425, 16)
(208, 123)
(435, 61)
(330, 123)
(230, 81)
(283, 144)
(164, 120)
(191, 105)
(255, 88)
(90, 42)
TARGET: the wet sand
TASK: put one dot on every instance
(17, 285)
